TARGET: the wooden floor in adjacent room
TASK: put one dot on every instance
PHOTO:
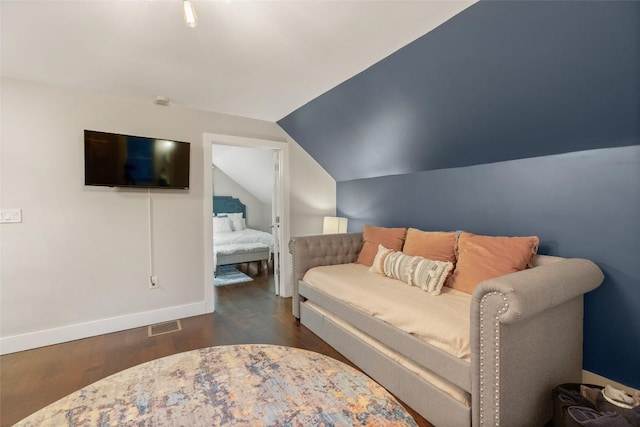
(245, 313)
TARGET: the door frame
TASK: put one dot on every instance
(280, 147)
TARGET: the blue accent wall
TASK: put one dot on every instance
(502, 80)
(581, 205)
(512, 118)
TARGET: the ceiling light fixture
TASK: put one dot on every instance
(190, 17)
(161, 100)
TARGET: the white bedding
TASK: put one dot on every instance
(248, 235)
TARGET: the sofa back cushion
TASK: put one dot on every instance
(435, 245)
(390, 238)
(485, 257)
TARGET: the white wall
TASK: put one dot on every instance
(78, 264)
(311, 198)
(258, 214)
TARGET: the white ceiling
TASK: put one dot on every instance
(259, 59)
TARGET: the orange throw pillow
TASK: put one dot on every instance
(485, 257)
(434, 245)
(390, 238)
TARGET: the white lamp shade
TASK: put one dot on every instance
(334, 225)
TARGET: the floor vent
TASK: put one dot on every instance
(164, 328)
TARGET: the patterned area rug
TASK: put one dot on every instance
(251, 385)
(228, 275)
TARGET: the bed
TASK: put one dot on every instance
(233, 242)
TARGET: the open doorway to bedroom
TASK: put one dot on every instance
(245, 219)
(246, 190)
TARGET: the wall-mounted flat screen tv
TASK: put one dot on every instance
(116, 160)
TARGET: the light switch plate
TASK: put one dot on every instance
(10, 215)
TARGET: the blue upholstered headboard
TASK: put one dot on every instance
(228, 204)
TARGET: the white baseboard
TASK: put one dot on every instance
(15, 343)
(591, 378)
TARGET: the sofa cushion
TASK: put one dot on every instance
(481, 258)
(428, 275)
(391, 238)
(442, 322)
(435, 245)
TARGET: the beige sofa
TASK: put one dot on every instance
(525, 337)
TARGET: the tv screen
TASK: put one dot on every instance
(116, 160)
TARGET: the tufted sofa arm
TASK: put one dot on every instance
(314, 251)
(523, 324)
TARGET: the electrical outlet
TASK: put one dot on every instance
(153, 282)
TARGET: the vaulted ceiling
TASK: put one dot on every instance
(258, 59)
(503, 80)
(251, 168)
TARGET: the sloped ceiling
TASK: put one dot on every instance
(251, 168)
(499, 81)
(258, 59)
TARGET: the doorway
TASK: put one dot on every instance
(279, 215)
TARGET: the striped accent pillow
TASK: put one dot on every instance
(427, 274)
(377, 266)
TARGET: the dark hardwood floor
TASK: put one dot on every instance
(245, 313)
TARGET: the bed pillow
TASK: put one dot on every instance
(378, 260)
(485, 257)
(429, 275)
(391, 238)
(238, 224)
(221, 224)
(237, 221)
(435, 245)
